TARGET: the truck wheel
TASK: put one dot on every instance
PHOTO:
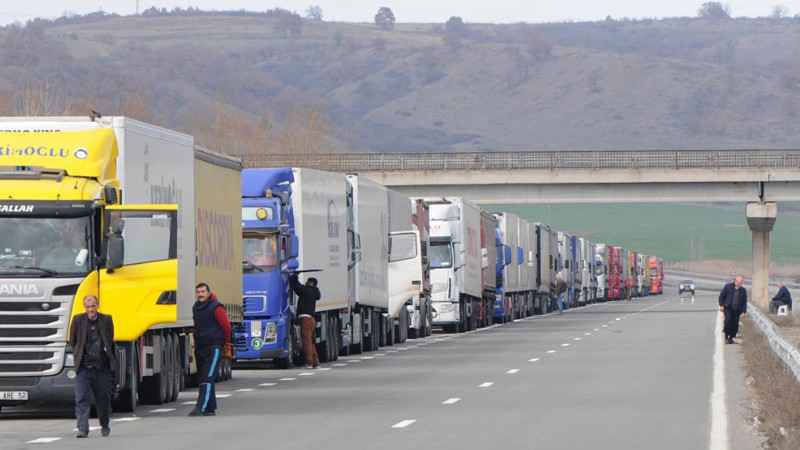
(177, 374)
(151, 389)
(169, 367)
(286, 363)
(358, 348)
(127, 397)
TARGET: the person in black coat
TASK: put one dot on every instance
(733, 303)
(783, 297)
(91, 336)
(307, 296)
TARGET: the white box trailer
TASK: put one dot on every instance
(322, 224)
(319, 204)
(547, 255)
(455, 261)
(371, 223)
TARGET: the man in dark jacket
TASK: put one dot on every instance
(733, 303)
(307, 296)
(212, 332)
(783, 297)
(91, 336)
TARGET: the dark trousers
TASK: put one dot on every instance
(207, 361)
(774, 305)
(731, 322)
(307, 326)
(88, 382)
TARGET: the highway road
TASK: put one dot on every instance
(650, 373)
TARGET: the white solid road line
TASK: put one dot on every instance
(719, 395)
(43, 440)
(403, 424)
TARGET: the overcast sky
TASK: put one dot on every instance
(493, 11)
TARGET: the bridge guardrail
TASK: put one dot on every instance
(504, 161)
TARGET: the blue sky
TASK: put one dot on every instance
(496, 11)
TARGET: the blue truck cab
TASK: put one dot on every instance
(269, 252)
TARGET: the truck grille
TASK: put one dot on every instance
(33, 335)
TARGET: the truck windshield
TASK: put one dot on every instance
(440, 255)
(45, 247)
(260, 250)
(653, 271)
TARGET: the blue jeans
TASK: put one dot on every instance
(561, 302)
(207, 361)
(88, 382)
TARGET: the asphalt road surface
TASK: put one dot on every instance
(650, 373)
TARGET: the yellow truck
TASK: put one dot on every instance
(130, 212)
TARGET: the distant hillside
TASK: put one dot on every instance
(245, 83)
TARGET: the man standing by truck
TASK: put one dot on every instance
(92, 339)
(307, 296)
(212, 332)
(561, 289)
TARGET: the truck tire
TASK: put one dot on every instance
(126, 402)
(177, 374)
(169, 367)
(154, 388)
(358, 348)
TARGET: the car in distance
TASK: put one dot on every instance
(686, 286)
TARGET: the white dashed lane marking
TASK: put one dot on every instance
(551, 351)
(512, 371)
(262, 384)
(533, 359)
(403, 424)
(43, 440)
(450, 401)
(487, 384)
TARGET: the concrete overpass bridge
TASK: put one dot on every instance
(758, 178)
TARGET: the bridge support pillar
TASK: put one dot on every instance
(761, 218)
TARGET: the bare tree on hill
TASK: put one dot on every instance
(714, 10)
(314, 12)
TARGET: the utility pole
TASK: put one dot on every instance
(137, 7)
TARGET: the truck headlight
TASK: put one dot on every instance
(445, 308)
(271, 335)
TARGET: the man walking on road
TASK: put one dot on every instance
(733, 303)
(307, 296)
(212, 332)
(92, 339)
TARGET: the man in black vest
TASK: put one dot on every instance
(212, 332)
(733, 302)
(91, 336)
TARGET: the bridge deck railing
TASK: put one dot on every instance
(499, 161)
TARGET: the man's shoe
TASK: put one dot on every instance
(195, 412)
(732, 341)
(308, 366)
(316, 366)
(82, 434)
(729, 341)
(210, 413)
(105, 431)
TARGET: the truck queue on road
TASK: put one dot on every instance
(151, 214)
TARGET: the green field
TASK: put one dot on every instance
(674, 232)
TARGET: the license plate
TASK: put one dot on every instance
(255, 328)
(13, 395)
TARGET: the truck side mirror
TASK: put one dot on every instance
(294, 247)
(506, 255)
(116, 252)
(292, 264)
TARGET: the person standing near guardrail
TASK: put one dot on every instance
(733, 303)
(783, 297)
